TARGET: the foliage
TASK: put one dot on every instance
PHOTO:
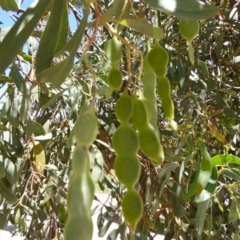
(181, 125)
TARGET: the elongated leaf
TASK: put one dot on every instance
(231, 174)
(189, 9)
(234, 211)
(192, 189)
(54, 36)
(167, 168)
(200, 216)
(7, 194)
(205, 170)
(9, 5)
(224, 158)
(57, 74)
(10, 171)
(142, 26)
(19, 80)
(25, 105)
(212, 183)
(20, 32)
(53, 99)
(5, 79)
(3, 32)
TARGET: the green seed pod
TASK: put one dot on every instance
(113, 50)
(140, 115)
(86, 128)
(132, 208)
(125, 140)
(158, 59)
(78, 228)
(124, 108)
(150, 145)
(189, 28)
(115, 78)
(127, 168)
(164, 90)
(81, 185)
(79, 199)
(168, 108)
(149, 92)
(164, 87)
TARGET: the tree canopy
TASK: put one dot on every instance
(141, 100)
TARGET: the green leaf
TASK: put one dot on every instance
(212, 183)
(3, 32)
(5, 79)
(2, 170)
(189, 9)
(10, 171)
(53, 99)
(224, 158)
(20, 32)
(193, 186)
(200, 216)
(34, 128)
(167, 168)
(7, 194)
(178, 205)
(9, 5)
(57, 74)
(203, 69)
(231, 174)
(234, 211)
(97, 167)
(54, 37)
(142, 26)
(205, 170)
(12, 114)
(104, 229)
(20, 82)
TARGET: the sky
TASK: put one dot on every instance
(7, 21)
(5, 18)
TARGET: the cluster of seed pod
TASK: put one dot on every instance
(113, 50)
(81, 187)
(158, 59)
(147, 134)
(127, 166)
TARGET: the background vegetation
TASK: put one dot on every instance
(47, 83)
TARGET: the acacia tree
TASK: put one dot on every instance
(141, 99)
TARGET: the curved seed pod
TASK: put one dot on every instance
(115, 78)
(124, 108)
(150, 145)
(140, 114)
(127, 168)
(132, 207)
(78, 228)
(86, 128)
(164, 91)
(149, 91)
(158, 59)
(113, 50)
(80, 196)
(125, 140)
(81, 164)
(189, 28)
